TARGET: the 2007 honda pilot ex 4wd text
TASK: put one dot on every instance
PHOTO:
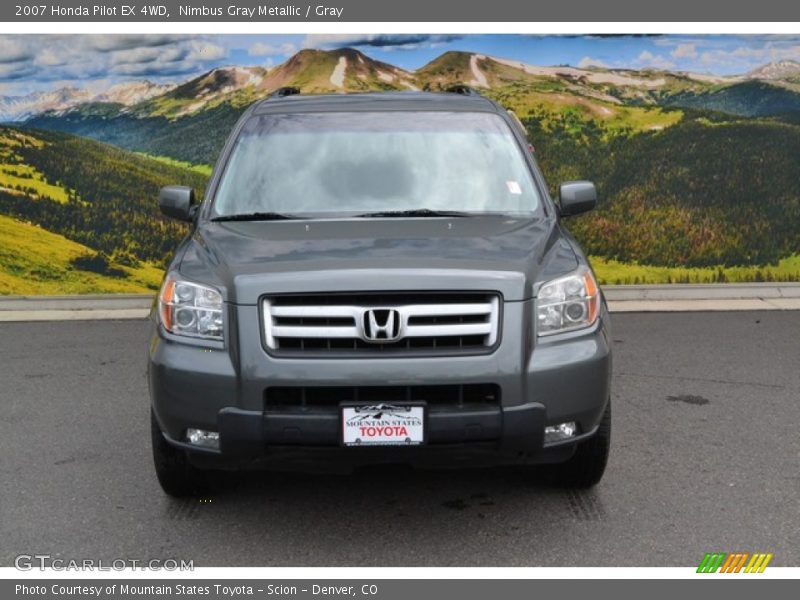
(378, 278)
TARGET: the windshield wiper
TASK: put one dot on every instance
(416, 212)
(257, 216)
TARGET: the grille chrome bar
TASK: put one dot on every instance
(476, 317)
(314, 332)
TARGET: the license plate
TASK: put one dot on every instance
(383, 425)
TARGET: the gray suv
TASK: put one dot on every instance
(378, 278)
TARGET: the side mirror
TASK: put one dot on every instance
(577, 197)
(178, 202)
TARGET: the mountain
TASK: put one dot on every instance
(349, 70)
(772, 89)
(203, 92)
(776, 71)
(751, 98)
(132, 92)
(204, 109)
(489, 72)
(20, 108)
(313, 71)
(343, 70)
(454, 66)
(594, 90)
(624, 101)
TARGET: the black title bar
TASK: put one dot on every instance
(401, 11)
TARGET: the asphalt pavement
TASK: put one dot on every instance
(705, 457)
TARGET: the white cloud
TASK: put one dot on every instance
(153, 70)
(149, 55)
(264, 49)
(16, 70)
(206, 51)
(14, 49)
(50, 58)
(36, 62)
(382, 41)
(115, 41)
(750, 57)
(587, 62)
(654, 61)
(684, 51)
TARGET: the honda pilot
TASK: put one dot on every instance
(374, 279)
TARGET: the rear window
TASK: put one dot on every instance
(362, 162)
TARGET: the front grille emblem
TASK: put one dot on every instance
(381, 325)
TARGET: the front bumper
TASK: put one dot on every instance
(558, 379)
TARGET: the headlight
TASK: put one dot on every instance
(190, 309)
(567, 303)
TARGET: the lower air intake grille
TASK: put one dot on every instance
(473, 395)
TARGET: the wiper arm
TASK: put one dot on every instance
(257, 216)
(417, 212)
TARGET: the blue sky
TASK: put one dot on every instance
(42, 62)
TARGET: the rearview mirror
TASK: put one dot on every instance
(178, 202)
(577, 197)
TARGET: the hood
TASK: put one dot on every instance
(248, 259)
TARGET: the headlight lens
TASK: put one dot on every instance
(190, 309)
(567, 303)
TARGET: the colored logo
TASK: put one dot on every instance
(735, 562)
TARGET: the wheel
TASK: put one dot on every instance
(176, 475)
(587, 465)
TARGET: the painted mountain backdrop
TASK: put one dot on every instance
(619, 100)
(699, 175)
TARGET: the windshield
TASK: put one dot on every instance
(376, 162)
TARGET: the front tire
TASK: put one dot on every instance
(175, 473)
(586, 467)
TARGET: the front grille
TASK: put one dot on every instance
(381, 323)
(437, 397)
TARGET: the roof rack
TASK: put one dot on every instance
(282, 92)
(460, 88)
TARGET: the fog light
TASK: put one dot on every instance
(562, 431)
(205, 439)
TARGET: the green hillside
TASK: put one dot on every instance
(157, 135)
(749, 99)
(36, 261)
(93, 207)
(700, 193)
(690, 190)
(614, 272)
